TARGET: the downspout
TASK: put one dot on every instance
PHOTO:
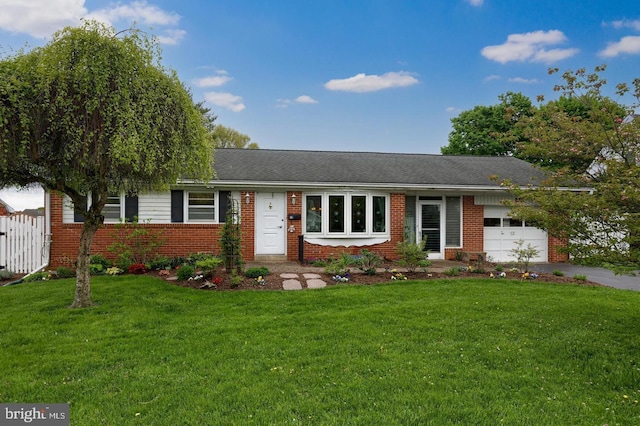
(46, 245)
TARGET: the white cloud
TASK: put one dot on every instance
(629, 45)
(453, 110)
(41, 18)
(492, 77)
(524, 80)
(530, 47)
(213, 81)
(475, 2)
(304, 99)
(225, 100)
(625, 23)
(171, 37)
(370, 83)
(139, 11)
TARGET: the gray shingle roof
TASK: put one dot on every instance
(338, 167)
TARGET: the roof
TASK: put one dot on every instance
(368, 168)
(7, 207)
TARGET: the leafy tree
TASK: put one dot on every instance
(226, 137)
(601, 155)
(94, 112)
(478, 131)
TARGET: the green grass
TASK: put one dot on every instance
(438, 352)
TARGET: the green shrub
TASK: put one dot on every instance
(452, 272)
(236, 279)
(369, 261)
(209, 264)
(6, 274)
(97, 258)
(410, 255)
(424, 264)
(185, 272)
(558, 273)
(96, 268)
(580, 277)
(256, 272)
(339, 266)
(38, 276)
(135, 243)
(64, 272)
(499, 268)
(161, 262)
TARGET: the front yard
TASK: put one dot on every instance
(466, 351)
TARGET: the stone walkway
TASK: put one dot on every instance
(293, 281)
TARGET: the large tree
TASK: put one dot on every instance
(93, 112)
(597, 151)
(481, 130)
(226, 137)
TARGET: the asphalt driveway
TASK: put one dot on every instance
(599, 275)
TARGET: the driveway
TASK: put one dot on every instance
(599, 275)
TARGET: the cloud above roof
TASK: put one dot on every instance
(361, 83)
(530, 47)
(226, 100)
(41, 18)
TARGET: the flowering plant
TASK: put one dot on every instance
(398, 276)
(260, 280)
(114, 270)
(217, 280)
(344, 278)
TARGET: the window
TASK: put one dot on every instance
(493, 222)
(111, 210)
(201, 206)
(314, 213)
(355, 215)
(118, 208)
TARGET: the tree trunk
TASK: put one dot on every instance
(83, 273)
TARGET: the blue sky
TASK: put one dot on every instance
(355, 75)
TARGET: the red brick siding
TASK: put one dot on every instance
(3, 210)
(553, 249)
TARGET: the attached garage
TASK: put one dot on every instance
(502, 233)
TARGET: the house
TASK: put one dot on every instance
(297, 204)
(5, 209)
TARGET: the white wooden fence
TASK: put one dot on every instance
(22, 243)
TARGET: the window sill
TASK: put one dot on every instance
(346, 241)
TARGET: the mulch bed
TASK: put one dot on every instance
(273, 281)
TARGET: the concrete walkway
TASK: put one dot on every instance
(599, 275)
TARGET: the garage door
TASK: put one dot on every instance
(501, 235)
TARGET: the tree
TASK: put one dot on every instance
(599, 154)
(226, 137)
(478, 131)
(94, 113)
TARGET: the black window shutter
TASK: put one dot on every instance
(177, 206)
(223, 205)
(76, 217)
(131, 208)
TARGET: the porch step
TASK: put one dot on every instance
(275, 258)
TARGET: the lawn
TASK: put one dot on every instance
(469, 351)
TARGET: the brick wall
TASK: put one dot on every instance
(553, 249)
(3, 210)
(180, 239)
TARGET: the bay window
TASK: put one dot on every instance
(346, 215)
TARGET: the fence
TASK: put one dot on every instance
(22, 243)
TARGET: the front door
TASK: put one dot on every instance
(430, 228)
(270, 223)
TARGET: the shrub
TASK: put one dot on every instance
(97, 258)
(38, 276)
(208, 265)
(6, 274)
(558, 273)
(410, 255)
(424, 264)
(339, 266)
(64, 272)
(580, 277)
(160, 262)
(452, 271)
(114, 270)
(96, 268)
(135, 243)
(185, 272)
(523, 255)
(256, 272)
(137, 268)
(368, 261)
(236, 279)
(499, 268)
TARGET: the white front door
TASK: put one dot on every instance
(270, 222)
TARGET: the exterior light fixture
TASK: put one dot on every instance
(247, 197)
(293, 199)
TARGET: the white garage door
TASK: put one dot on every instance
(501, 235)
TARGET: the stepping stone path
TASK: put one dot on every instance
(292, 281)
